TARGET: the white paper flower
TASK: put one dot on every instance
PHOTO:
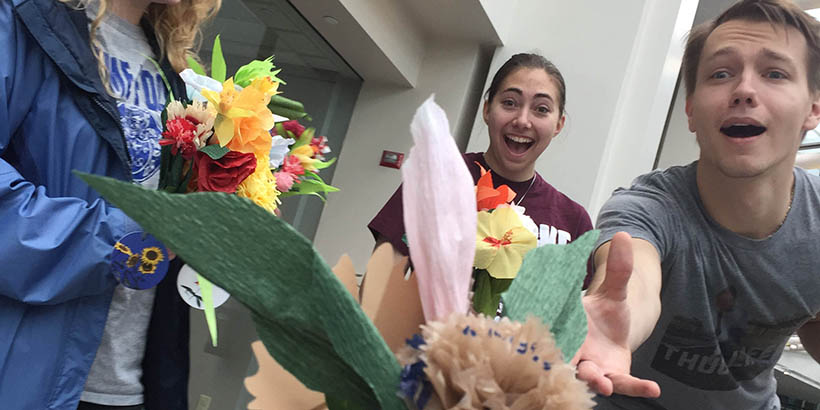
(279, 150)
(525, 219)
(194, 83)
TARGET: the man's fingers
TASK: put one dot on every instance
(633, 386)
(592, 374)
(576, 358)
(580, 352)
(618, 266)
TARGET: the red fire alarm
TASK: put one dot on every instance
(391, 159)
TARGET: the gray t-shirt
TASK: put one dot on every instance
(114, 378)
(729, 303)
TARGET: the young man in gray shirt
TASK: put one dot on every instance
(704, 271)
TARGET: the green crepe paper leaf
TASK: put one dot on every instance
(309, 186)
(311, 183)
(218, 67)
(194, 65)
(288, 113)
(256, 69)
(215, 151)
(324, 164)
(207, 289)
(279, 338)
(280, 129)
(284, 102)
(304, 139)
(336, 404)
(549, 285)
(313, 175)
(294, 193)
(306, 318)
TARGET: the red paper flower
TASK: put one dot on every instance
(179, 134)
(293, 165)
(224, 174)
(319, 145)
(294, 127)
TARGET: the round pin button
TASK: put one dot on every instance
(139, 260)
(188, 287)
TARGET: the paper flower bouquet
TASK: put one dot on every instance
(505, 235)
(408, 344)
(226, 137)
(237, 135)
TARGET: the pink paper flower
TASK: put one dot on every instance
(284, 181)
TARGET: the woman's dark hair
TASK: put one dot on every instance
(527, 60)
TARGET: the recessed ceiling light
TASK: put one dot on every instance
(330, 20)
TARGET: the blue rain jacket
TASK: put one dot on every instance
(56, 233)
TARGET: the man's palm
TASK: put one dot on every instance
(605, 358)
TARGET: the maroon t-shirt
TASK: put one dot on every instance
(559, 219)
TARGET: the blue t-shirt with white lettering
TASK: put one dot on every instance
(114, 378)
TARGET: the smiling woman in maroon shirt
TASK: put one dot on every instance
(524, 111)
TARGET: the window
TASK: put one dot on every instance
(319, 78)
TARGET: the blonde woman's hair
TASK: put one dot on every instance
(176, 26)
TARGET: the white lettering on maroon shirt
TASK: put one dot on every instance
(550, 235)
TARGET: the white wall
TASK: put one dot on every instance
(648, 88)
(502, 15)
(381, 121)
(374, 36)
(616, 58)
(397, 36)
(679, 145)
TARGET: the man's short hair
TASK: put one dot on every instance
(777, 12)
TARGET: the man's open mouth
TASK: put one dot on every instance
(743, 130)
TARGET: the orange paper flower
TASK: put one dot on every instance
(243, 120)
(488, 197)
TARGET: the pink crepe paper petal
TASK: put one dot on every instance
(439, 214)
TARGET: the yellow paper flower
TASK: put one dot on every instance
(243, 120)
(260, 187)
(305, 154)
(501, 243)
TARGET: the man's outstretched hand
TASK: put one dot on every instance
(605, 358)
